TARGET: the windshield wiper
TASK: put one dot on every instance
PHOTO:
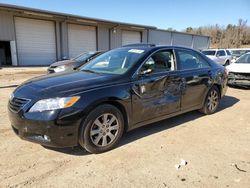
(87, 70)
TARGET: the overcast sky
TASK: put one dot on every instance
(177, 14)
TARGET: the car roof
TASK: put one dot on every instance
(216, 49)
(154, 46)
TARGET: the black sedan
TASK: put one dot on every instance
(116, 92)
(73, 63)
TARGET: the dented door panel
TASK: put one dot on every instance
(156, 95)
(197, 82)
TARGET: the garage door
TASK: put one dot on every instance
(81, 39)
(129, 37)
(36, 42)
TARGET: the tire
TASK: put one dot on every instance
(212, 101)
(98, 134)
(227, 63)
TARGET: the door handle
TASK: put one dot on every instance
(142, 89)
(196, 77)
(209, 72)
(183, 84)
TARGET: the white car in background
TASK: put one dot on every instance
(237, 52)
(221, 56)
(239, 72)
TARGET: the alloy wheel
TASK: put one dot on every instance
(213, 100)
(104, 130)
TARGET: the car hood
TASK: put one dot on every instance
(65, 62)
(64, 84)
(239, 67)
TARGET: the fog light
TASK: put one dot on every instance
(47, 138)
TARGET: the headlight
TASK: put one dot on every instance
(60, 68)
(54, 104)
(11, 96)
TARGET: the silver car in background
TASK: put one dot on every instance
(221, 56)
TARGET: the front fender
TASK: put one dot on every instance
(117, 95)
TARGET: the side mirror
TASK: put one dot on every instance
(217, 55)
(65, 58)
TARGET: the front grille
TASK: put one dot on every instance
(16, 104)
(241, 76)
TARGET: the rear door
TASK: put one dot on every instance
(196, 76)
(157, 91)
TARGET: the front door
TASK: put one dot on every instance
(221, 56)
(157, 90)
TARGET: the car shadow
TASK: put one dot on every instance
(240, 87)
(226, 102)
(9, 86)
(77, 150)
(150, 129)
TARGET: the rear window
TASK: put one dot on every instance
(209, 52)
(84, 57)
(238, 52)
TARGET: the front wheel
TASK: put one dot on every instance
(212, 101)
(227, 63)
(102, 129)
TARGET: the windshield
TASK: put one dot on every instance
(84, 56)
(244, 59)
(238, 52)
(116, 61)
(209, 52)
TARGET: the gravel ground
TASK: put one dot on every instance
(216, 149)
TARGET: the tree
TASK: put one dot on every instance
(231, 36)
(189, 29)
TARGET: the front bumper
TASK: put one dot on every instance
(45, 132)
(239, 79)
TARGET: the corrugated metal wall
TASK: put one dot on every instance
(130, 37)
(36, 41)
(159, 37)
(200, 42)
(103, 37)
(181, 39)
(7, 31)
(81, 39)
(116, 36)
(108, 36)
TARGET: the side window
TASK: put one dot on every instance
(188, 59)
(228, 52)
(160, 62)
(221, 53)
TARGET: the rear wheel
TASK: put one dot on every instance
(102, 129)
(212, 101)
